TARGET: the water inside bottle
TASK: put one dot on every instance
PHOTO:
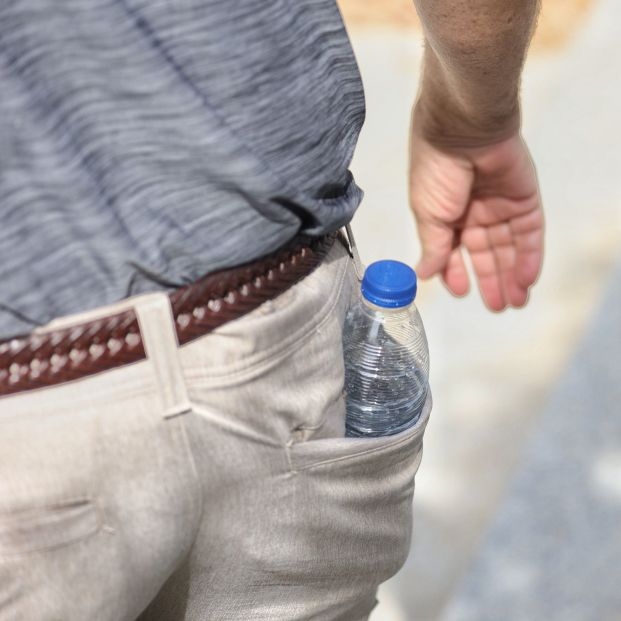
(387, 393)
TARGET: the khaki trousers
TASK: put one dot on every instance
(210, 481)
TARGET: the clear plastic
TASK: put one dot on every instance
(386, 368)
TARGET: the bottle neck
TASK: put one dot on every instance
(389, 313)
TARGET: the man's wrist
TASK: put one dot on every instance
(445, 127)
(449, 118)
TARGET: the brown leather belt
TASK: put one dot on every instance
(40, 360)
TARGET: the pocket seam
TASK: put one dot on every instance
(90, 511)
(416, 435)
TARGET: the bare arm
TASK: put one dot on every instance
(474, 54)
(472, 183)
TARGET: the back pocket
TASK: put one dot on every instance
(35, 530)
(49, 471)
(358, 452)
(352, 504)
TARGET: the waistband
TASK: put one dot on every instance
(49, 357)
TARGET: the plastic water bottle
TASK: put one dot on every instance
(386, 354)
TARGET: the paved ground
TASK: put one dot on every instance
(493, 374)
(553, 549)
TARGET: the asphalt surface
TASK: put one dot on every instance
(552, 551)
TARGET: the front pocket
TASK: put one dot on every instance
(45, 528)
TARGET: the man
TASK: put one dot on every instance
(171, 424)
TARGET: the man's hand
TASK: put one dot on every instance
(472, 182)
(484, 199)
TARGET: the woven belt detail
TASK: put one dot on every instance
(58, 356)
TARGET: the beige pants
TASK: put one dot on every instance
(211, 481)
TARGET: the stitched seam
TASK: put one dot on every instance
(93, 507)
(358, 454)
(124, 390)
(370, 451)
(417, 433)
(199, 500)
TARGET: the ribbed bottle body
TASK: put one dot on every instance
(386, 368)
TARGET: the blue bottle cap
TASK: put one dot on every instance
(390, 284)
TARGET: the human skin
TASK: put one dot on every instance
(473, 185)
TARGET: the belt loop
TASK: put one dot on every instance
(157, 328)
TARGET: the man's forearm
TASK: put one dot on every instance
(474, 54)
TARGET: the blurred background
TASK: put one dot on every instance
(517, 511)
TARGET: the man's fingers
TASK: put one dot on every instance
(528, 238)
(489, 283)
(502, 242)
(455, 275)
(485, 267)
(505, 254)
(437, 244)
(515, 294)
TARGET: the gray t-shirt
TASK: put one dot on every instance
(146, 142)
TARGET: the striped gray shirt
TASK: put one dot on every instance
(146, 142)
